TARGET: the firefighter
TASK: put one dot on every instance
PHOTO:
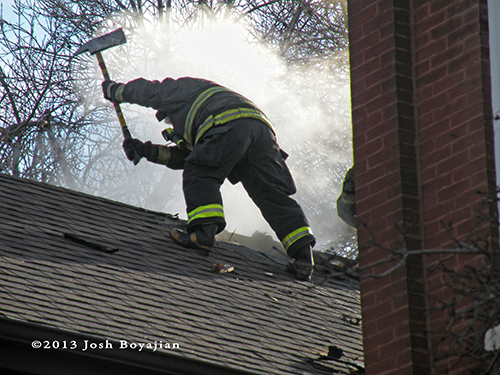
(346, 205)
(224, 135)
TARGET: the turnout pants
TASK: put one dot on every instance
(244, 150)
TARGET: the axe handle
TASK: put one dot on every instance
(118, 110)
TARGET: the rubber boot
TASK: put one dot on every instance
(203, 238)
(302, 266)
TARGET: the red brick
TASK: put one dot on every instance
(388, 346)
(456, 104)
(440, 210)
(439, 6)
(379, 309)
(449, 84)
(432, 158)
(421, 10)
(386, 336)
(385, 31)
(382, 127)
(369, 94)
(475, 96)
(361, 15)
(430, 78)
(463, 115)
(434, 129)
(371, 358)
(356, 59)
(377, 159)
(473, 67)
(393, 319)
(426, 146)
(444, 57)
(438, 154)
(430, 104)
(425, 53)
(384, 18)
(379, 76)
(462, 33)
(399, 301)
(458, 7)
(383, 367)
(468, 139)
(369, 328)
(477, 152)
(425, 21)
(404, 357)
(456, 161)
(441, 31)
(371, 38)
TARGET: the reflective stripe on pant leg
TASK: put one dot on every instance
(204, 212)
(294, 236)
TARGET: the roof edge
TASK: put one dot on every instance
(18, 341)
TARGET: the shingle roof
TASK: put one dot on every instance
(83, 264)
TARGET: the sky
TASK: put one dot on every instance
(7, 9)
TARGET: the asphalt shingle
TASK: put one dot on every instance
(256, 318)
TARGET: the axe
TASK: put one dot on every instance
(95, 47)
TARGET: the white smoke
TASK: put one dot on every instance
(308, 106)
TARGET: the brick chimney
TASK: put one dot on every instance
(423, 147)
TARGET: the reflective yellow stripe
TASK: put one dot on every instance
(119, 93)
(188, 126)
(230, 115)
(211, 210)
(296, 235)
(219, 119)
(207, 124)
(163, 155)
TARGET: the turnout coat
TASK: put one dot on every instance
(226, 136)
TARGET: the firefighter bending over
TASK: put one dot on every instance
(223, 135)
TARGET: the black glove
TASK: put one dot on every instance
(144, 150)
(109, 89)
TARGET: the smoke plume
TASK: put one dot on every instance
(309, 106)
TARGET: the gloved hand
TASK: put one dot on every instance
(109, 90)
(144, 150)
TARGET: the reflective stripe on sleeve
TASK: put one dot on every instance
(296, 235)
(119, 93)
(163, 155)
(211, 210)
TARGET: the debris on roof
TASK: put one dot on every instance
(71, 263)
(259, 241)
(222, 268)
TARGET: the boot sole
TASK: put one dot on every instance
(192, 244)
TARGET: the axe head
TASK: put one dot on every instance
(114, 38)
